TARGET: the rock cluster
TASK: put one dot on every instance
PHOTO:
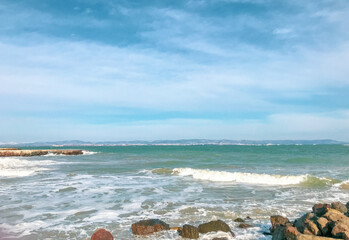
(325, 222)
(150, 226)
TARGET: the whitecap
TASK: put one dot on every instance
(240, 177)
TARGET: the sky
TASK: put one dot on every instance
(100, 70)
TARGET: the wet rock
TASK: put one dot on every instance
(279, 233)
(244, 225)
(339, 206)
(102, 234)
(276, 221)
(149, 226)
(248, 218)
(320, 209)
(323, 225)
(189, 231)
(215, 226)
(239, 220)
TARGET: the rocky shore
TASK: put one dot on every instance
(16, 152)
(325, 222)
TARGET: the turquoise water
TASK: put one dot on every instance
(69, 197)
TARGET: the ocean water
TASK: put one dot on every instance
(69, 197)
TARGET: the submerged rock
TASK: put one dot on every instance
(189, 231)
(239, 220)
(215, 226)
(244, 225)
(149, 226)
(102, 234)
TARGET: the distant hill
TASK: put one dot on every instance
(175, 142)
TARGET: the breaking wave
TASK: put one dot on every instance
(14, 167)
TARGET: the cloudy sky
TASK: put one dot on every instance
(158, 69)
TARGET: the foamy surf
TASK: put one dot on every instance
(85, 152)
(14, 167)
(240, 177)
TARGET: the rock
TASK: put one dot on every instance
(266, 233)
(320, 209)
(215, 226)
(149, 226)
(312, 237)
(307, 224)
(291, 233)
(279, 233)
(248, 217)
(189, 231)
(239, 220)
(276, 221)
(340, 229)
(244, 225)
(339, 206)
(28, 153)
(102, 234)
(334, 215)
(322, 224)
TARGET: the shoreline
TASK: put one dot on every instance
(16, 152)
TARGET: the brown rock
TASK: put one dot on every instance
(291, 233)
(189, 231)
(321, 208)
(312, 237)
(339, 206)
(323, 226)
(311, 228)
(276, 221)
(334, 215)
(244, 225)
(340, 229)
(215, 226)
(149, 226)
(102, 234)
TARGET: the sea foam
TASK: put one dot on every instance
(240, 177)
(14, 167)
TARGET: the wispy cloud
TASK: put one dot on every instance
(140, 69)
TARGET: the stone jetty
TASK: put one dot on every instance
(16, 152)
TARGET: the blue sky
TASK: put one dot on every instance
(126, 70)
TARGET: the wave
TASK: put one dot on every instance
(14, 167)
(85, 152)
(343, 185)
(240, 177)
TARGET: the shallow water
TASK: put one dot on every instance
(69, 197)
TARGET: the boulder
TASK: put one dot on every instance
(189, 231)
(335, 215)
(339, 206)
(320, 209)
(239, 220)
(312, 237)
(340, 229)
(279, 233)
(102, 234)
(215, 226)
(149, 226)
(323, 225)
(276, 221)
(244, 225)
(291, 233)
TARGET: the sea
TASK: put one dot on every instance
(111, 187)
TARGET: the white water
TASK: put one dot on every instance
(17, 167)
(239, 177)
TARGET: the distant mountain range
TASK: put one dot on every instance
(175, 142)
